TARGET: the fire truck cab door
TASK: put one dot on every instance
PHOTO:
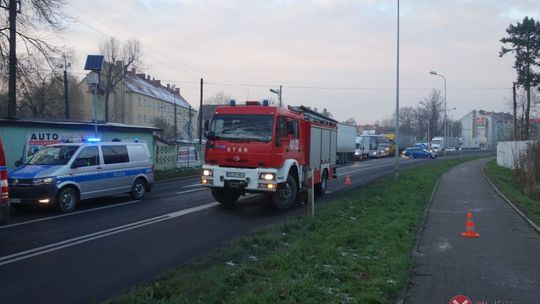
(288, 135)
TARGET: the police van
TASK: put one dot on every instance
(65, 174)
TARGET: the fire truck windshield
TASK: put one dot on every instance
(242, 127)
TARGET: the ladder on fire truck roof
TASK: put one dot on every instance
(313, 116)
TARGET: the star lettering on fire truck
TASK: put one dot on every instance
(237, 149)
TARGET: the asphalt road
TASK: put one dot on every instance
(112, 244)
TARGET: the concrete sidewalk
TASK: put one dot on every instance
(502, 265)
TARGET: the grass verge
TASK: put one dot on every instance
(177, 172)
(357, 249)
(503, 178)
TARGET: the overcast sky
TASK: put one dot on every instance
(333, 54)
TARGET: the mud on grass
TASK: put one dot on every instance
(357, 249)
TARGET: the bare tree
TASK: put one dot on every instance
(167, 129)
(28, 19)
(351, 121)
(219, 98)
(408, 118)
(429, 112)
(42, 96)
(118, 59)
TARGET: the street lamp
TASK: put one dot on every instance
(396, 149)
(278, 92)
(445, 113)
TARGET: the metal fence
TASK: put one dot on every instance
(168, 157)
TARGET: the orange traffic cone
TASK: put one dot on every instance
(469, 228)
(347, 180)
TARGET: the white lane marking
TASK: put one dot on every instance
(8, 259)
(67, 214)
(192, 186)
(189, 191)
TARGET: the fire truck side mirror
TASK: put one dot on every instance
(278, 139)
(210, 135)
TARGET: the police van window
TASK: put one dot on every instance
(89, 156)
(115, 154)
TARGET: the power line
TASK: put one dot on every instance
(125, 35)
(347, 88)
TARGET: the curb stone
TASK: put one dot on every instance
(509, 202)
(401, 296)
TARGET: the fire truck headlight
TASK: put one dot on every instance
(207, 172)
(267, 176)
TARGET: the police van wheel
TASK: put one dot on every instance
(286, 193)
(226, 197)
(138, 189)
(67, 200)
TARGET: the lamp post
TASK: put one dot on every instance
(445, 113)
(278, 92)
(396, 149)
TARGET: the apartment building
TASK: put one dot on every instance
(139, 99)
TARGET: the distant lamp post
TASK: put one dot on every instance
(396, 143)
(278, 93)
(445, 113)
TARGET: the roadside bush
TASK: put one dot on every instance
(527, 170)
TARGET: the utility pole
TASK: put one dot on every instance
(201, 113)
(175, 117)
(280, 92)
(396, 149)
(66, 86)
(14, 8)
(514, 118)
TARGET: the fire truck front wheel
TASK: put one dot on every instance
(286, 193)
(226, 197)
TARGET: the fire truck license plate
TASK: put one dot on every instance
(236, 174)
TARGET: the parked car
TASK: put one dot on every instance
(4, 193)
(418, 153)
(64, 174)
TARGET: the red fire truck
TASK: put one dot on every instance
(256, 148)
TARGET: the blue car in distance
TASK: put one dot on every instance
(418, 153)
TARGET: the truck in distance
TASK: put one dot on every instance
(256, 148)
(346, 142)
(438, 143)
